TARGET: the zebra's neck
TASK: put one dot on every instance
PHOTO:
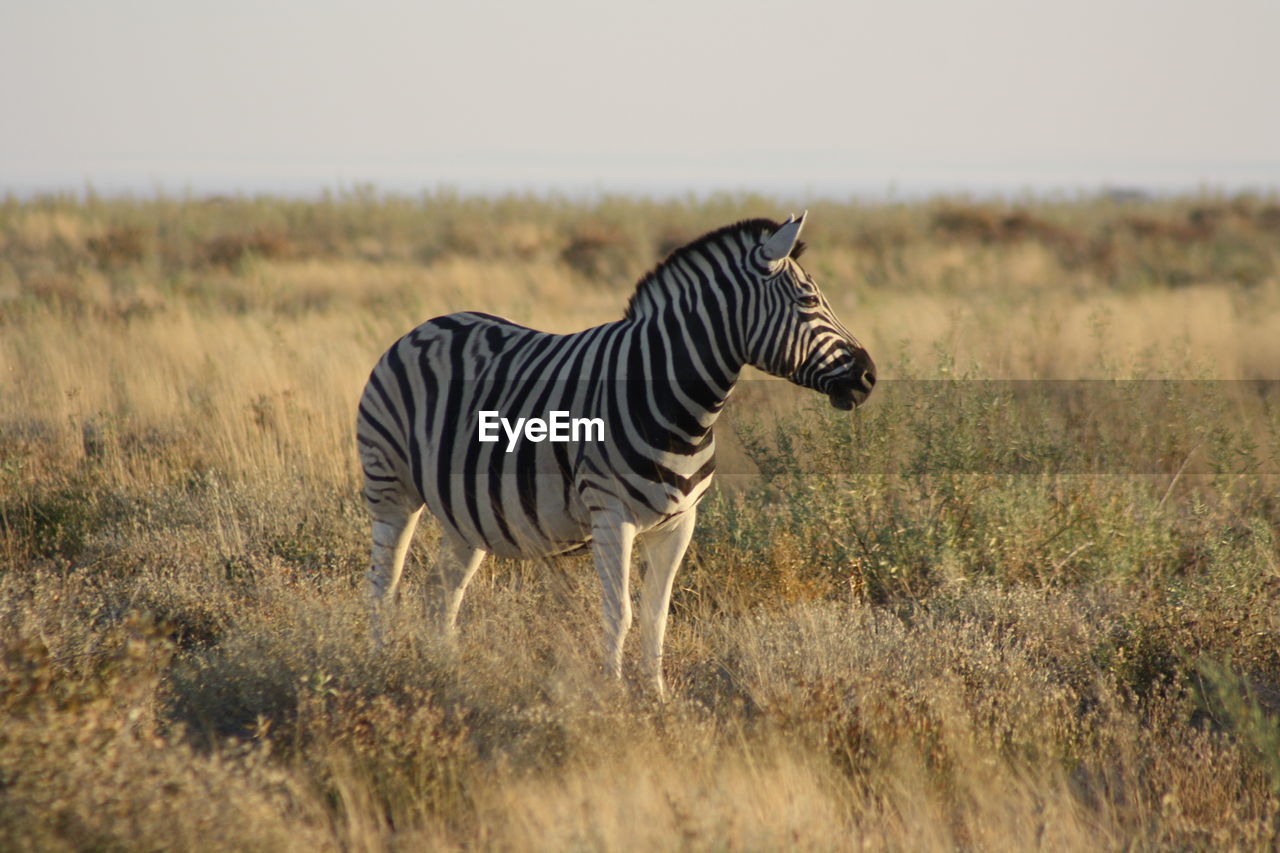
(690, 367)
(689, 313)
(694, 295)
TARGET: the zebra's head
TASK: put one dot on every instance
(792, 331)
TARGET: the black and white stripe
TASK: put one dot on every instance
(658, 378)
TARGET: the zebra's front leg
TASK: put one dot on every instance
(662, 549)
(455, 566)
(611, 540)
(393, 527)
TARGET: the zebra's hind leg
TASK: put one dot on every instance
(456, 564)
(611, 540)
(393, 526)
(662, 549)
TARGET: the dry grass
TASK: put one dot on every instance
(908, 631)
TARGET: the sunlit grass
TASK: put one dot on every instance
(981, 619)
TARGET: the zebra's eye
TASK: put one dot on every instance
(807, 300)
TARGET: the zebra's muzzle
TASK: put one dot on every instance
(844, 400)
(852, 390)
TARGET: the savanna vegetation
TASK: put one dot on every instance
(986, 611)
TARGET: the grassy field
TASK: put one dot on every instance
(981, 613)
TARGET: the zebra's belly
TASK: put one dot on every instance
(559, 520)
(510, 514)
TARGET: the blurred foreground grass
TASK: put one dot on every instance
(978, 614)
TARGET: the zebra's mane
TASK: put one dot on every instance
(650, 285)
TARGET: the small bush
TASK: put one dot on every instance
(118, 247)
(598, 252)
(229, 250)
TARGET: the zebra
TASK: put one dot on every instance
(658, 379)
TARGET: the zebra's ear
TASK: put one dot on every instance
(784, 239)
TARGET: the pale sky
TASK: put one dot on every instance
(799, 98)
